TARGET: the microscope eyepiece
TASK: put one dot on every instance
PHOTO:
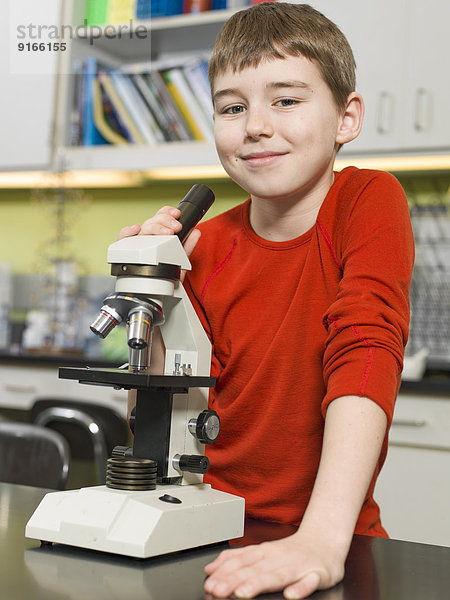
(193, 206)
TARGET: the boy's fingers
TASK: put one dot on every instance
(164, 222)
(191, 241)
(129, 231)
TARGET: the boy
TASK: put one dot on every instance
(303, 291)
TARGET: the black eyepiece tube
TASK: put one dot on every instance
(193, 206)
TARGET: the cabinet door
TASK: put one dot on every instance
(378, 43)
(427, 102)
(27, 86)
(413, 489)
(413, 492)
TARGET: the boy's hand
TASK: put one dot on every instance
(296, 564)
(164, 222)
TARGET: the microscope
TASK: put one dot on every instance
(154, 501)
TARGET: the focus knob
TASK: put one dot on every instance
(192, 463)
(206, 426)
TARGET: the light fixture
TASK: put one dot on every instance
(73, 179)
(112, 178)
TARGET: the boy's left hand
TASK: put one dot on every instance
(295, 564)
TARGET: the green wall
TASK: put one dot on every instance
(92, 222)
(27, 219)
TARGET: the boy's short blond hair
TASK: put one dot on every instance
(279, 29)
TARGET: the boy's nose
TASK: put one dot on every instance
(258, 124)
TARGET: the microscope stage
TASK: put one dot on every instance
(121, 379)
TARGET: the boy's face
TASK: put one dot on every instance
(276, 128)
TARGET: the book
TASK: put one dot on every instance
(156, 80)
(196, 73)
(120, 11)
(161, 117)
(188, 104)
(76, 112)
(96, 11)
(91, 136)
(137, 108)
(196, 6)
(105, 119)
(143, 9)
(120, 108)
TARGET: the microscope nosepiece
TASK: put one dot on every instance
(105, 322)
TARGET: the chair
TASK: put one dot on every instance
(33, 455)
(91, 430)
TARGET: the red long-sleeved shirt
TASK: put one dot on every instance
(296, 324)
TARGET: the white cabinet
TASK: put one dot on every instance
(401, 51)
(413, 489)
(427, 98)
(378, 45)
(28, 87)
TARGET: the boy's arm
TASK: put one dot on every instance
(314, 557)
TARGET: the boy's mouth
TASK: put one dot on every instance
(262, 158)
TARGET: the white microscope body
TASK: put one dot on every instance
(172, 423)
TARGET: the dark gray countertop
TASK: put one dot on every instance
(377, 569)
(55, 360)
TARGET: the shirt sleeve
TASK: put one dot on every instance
(368, 322)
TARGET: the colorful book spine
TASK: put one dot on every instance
(196, 73)
(143, 9)
(160, 115)
(183, 108)
(121, 11)
(136, 108)
(102, 122)
(96, 12)
(179, 125)
(121, 109)
(91, 136)
(188, 104)
(196, 6)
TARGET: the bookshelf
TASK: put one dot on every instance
(183, 36)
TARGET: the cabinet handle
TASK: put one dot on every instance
(409, 423)
(27, 389)
(422, 110)
(385, 118)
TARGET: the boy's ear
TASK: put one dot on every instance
(351, 119)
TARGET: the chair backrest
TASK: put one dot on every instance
(113, 426)
(33, 455)
(91, 430)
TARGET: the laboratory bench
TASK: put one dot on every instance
(376, 569)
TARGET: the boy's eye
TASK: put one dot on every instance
(287, 102)
(234, 110)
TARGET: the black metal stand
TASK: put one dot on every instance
(153, 405)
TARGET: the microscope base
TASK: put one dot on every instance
(138, 524)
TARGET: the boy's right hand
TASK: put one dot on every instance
(164, 222)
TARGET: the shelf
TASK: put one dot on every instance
(129, 47)
(139, 158)
(165, 23)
